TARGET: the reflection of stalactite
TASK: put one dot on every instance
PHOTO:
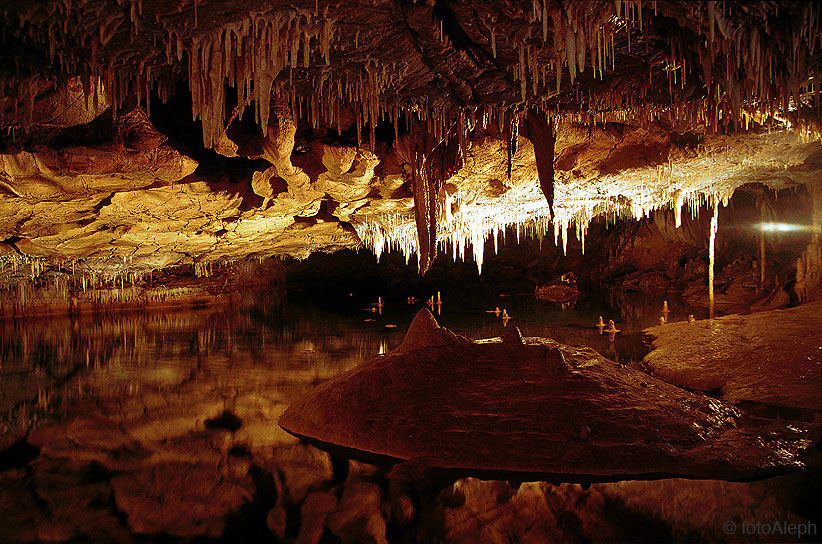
(712, 257)
(767, 214)
(809, 264)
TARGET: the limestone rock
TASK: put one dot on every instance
(744, 357)
(313, 513)
(54, 175)
(441, 402)
(276, 522)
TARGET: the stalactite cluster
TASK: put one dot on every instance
(42, 281)
(722, 66)
(747, 70)
(431, 162)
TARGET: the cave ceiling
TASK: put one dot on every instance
(389, 124)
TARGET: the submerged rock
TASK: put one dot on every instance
(556, 293)
(507, 410)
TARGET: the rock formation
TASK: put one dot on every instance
(743, 358)
(528, 409)
(388, 124)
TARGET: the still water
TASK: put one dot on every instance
(128, 426)
(42, 360)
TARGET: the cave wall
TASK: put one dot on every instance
(135, 137)
(109, 202)
(655, 255)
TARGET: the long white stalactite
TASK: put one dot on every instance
(712, 256)
(469, 220)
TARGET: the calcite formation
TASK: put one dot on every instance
(745, 358)
(529, 408)
(424, 127)
(140, 135)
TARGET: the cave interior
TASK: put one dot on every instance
(410, 270)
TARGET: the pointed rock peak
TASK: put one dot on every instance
(424, 332)
(424, 320)
(512, 337)
(423, 324)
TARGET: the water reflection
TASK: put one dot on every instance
(46, 360)
(128, 410)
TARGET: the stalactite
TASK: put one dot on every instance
(570, 48)
(512, 134)
(712, 256)
(760, 77)
(425, 213)
(522, 79)
(542, 136)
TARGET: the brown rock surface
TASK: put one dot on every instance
(770, 357)
(358, 516)
(443, 401)
(179, 500)
(314, 511)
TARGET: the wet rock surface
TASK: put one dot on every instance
(533, 407)
(770, 357)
